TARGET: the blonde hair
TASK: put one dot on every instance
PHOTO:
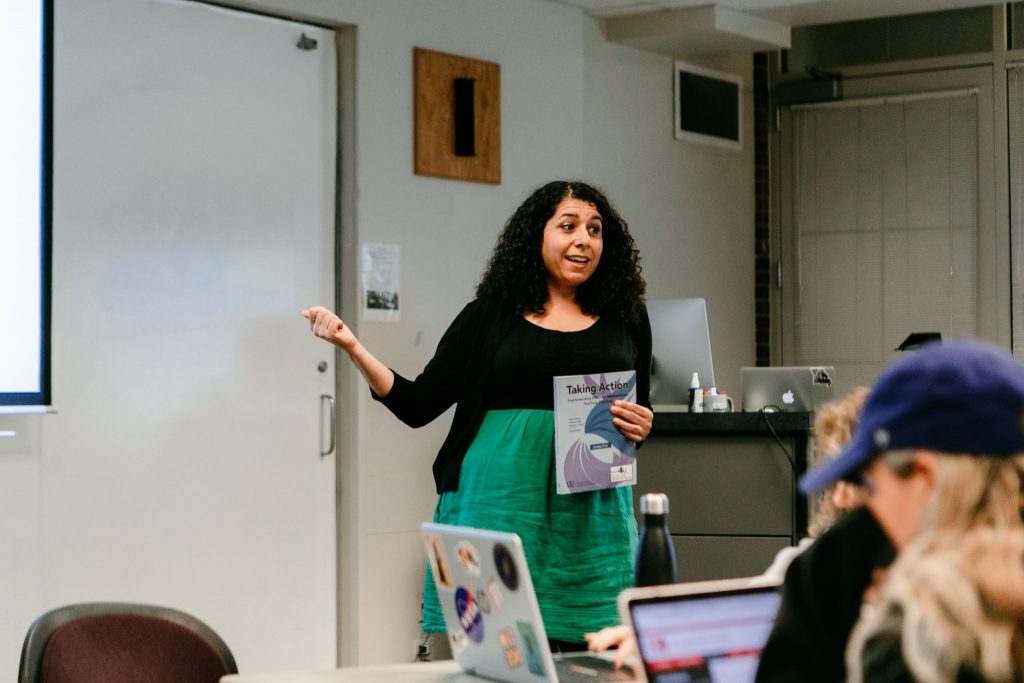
(834, 422)
(954, 602)
(974, 491)
(959, 584)
(833, 426)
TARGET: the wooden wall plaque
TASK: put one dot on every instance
(457, 112)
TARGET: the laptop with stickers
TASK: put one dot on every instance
(790, 388)
(703, 632)
(491, 611)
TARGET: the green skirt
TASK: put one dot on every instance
(580, 547)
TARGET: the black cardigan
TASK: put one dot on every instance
(460, 371)
(821, 602)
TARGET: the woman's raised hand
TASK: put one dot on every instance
(325, 324)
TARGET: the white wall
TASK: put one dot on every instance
(690, 207)
(572, 105)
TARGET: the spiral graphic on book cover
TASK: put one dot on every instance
(595, 466)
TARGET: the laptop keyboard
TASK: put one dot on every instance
(590, 669)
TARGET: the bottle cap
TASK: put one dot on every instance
(653, 504)
(694, 381)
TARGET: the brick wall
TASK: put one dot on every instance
(762, 212)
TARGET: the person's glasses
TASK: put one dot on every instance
(862, 480)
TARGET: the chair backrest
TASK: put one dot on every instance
(118, 641)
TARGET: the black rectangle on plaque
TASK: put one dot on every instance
(465, 127)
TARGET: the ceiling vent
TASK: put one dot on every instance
(697, 32)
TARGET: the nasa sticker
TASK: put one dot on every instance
(469, 615)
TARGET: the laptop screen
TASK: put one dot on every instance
(713, 638)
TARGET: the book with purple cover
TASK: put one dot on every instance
(590, 452)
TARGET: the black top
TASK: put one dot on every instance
(821, 601)
(530, 356)
(882, 656)
(460, 373)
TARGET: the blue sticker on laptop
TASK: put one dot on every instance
(470, 617)
(531, 648)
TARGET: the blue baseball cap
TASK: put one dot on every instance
(962, 397)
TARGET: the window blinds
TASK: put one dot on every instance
(885, 212)
(1015, 108)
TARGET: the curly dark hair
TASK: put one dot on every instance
(516, 273)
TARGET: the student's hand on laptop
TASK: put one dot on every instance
(613, 636)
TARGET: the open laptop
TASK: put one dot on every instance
(491, 611)
(790, 388)
(702, 632)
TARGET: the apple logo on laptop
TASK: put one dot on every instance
(787, 397)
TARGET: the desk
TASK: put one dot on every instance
(445, 671)
(733, 500)
(441, 671)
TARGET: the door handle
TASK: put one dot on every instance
(333, 413)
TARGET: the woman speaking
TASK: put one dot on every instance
(562, 294)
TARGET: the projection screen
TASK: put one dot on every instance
(26, 34)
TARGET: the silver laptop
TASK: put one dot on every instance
(791, 388)
(491, 611)
(704, 632)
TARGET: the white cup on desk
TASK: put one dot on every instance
(717, 403)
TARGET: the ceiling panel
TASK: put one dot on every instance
(789, 12)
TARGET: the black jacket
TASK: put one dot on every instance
(459, 373)
(882, 656)
(821, 602)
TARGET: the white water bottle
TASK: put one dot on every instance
(696, 397)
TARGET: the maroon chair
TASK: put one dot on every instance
(110, 642)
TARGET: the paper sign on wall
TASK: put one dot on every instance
(381, 274)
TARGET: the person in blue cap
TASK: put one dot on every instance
(939, 449)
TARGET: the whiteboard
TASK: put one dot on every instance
(25, 183)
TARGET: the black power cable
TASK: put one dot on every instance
(792, 466)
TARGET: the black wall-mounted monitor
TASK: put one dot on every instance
(708, 106)
(26, 185)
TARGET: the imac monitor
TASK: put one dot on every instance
(682, 346)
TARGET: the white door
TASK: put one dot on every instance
(194, 219)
